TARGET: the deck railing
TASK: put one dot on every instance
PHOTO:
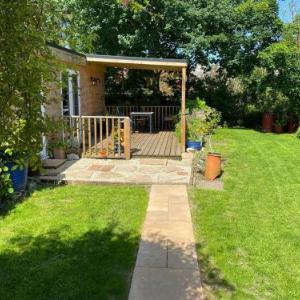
(101, 136)
(164, 117)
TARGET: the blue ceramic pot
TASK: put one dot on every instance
(19, 177)
(197, 145)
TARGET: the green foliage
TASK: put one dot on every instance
(59, 144)
(60, 135)
(196, 128)
(5, 183)
(276, 82)
(201, 120)
(195, 104)
(9, 157)
(225, 33)
(143, 28)
(26, 68)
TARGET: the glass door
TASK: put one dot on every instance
(70, 93)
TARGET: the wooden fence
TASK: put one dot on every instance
(164, 117)
(100, 137)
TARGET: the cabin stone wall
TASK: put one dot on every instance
(92, 97)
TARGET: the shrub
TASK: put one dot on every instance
(201, 120)
(6, 188)
(5, 183)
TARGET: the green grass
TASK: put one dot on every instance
(249, 234)
(71, 242)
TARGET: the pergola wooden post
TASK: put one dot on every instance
(146, 63)
(183, 110)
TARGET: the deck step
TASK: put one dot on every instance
(53, 163)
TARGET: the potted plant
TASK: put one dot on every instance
(15, 163)
(73, 146)
(279, 124)
(200, 122)
(281, 116)
(267, 121)
(213, 159)
(196, 129)
(292, 124)
(102, 153)
(213, 163)
(59, 133)
(59, 148)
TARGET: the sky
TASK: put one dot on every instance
(284, 9)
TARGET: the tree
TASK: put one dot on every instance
(25, 69)
(226, 33)
(237, 31)
(253, 27)
(276, 81)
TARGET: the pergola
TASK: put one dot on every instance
(178, 65)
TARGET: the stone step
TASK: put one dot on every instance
(52, 163)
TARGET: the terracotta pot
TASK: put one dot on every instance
(102, 154)
(292, 126)
(59, 153)
(278, 128)
(267, 122)
(212, 166)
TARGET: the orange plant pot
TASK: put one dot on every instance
(278, 128)
(103, 154)
(213, 166)
(59, 153)
(292, 126)
(267, 122)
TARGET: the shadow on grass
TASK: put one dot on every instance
(213, 282)
(96, 265)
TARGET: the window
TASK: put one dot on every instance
(70, 93)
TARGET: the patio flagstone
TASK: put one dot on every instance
(135, 171)
(166, 266)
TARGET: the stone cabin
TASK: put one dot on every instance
(81, 96)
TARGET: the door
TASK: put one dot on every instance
(70, 93)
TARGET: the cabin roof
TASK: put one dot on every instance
(130, 62)
(137, 62)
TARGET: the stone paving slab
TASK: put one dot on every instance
(165, 284)
(152, 254)
(166, 266)
(182, 256)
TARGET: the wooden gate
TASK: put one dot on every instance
(101, 136)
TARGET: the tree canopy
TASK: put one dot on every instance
(25, 71)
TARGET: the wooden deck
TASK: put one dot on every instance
(160, 144)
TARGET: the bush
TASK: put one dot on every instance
(6, 188)
(26, 68)
(201, 120)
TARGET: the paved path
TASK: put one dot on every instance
(166, 266)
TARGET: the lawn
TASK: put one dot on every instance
(249, 234)
(71, 242)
